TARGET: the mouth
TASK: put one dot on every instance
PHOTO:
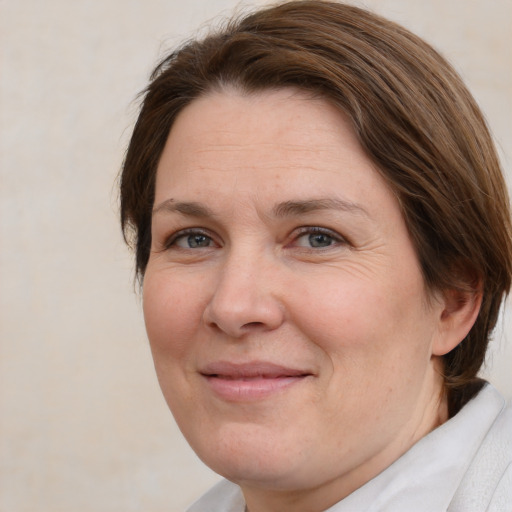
(250, 381)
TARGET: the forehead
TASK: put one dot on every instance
(281, 142)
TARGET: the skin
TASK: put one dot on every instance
(276, 241)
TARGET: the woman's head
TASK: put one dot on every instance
(413, 117)
(292, 333)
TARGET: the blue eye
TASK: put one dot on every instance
(191, 240)
(320, 240)
(317, 238)
(194, 241)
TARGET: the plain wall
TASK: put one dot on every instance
(83, 426)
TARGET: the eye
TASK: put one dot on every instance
(318, 238)
(190, 239)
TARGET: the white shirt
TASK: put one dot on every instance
(465, 465)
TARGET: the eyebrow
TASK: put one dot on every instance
(189, 208)
(291, 208)
(280, 210)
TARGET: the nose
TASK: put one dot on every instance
(245, 298)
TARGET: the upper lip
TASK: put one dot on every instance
(253, 369)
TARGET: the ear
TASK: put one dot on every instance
(459, 311)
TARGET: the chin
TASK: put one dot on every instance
(251, 454)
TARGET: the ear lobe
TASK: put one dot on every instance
(459, 313)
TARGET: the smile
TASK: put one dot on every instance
(249, 382)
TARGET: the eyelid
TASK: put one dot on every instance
(170, 241)
(305, 230)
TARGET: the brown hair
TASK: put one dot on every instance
(412, 115)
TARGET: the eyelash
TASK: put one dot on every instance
(337, 239)
(316, 230)
(171, 241)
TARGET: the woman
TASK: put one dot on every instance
(322, 231)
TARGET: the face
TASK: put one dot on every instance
(285, 307)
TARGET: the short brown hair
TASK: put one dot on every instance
(412, 114)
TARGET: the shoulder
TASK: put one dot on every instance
(224, 496)
(487, 483)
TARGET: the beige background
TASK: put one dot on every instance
(83, 427)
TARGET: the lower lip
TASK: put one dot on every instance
(240, 390)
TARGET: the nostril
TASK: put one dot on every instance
(251, 325)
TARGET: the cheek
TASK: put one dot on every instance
(171, 318)
(172, 312)
(365, 324)
(341, 310)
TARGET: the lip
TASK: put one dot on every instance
(250, 381)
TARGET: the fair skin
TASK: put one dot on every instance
(292, 334)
